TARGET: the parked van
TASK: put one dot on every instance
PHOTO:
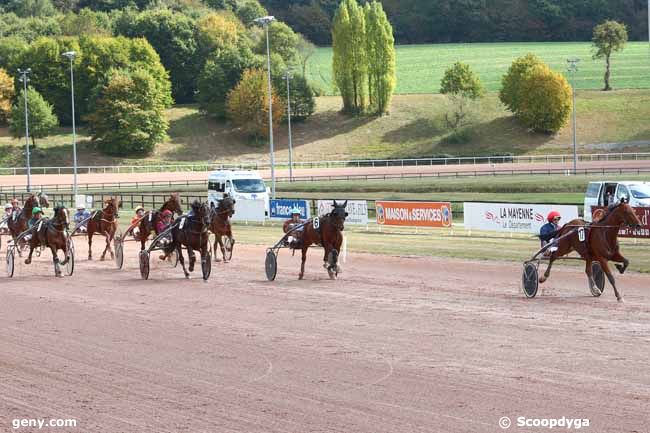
(603, 193)
(240, 185)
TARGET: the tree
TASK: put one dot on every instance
(511, 83)
(461, 85)
(42, 120)
(172, 35)
(349, 63)
(220, 74)
(12, 50)
(86, 23)
(248, 10)
(31, 8)
(305, 51)
(282, 40)
(248, 105)
(130, 114)
(546, 104)
(380, 54)
(303, 103)
(218, 31)
(6, 95)
(609, 37)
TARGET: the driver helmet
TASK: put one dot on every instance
(36, 210)
(552, 215)
(8, 206)
(81, 207)
(167, 213)
(139, 208)
(295, 211)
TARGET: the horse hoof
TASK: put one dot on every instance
(542, 279)
(27, 261)
(620, 268)
(102, 258)
(621, 300)
(187, 276)
(301, 276)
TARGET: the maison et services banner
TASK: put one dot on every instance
(413, 213)
(512, 217)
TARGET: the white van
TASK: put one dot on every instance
(603, 192)
(240, 185)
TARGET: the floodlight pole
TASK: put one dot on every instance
(573, 69)
(266, 21)
(288, 76)
(24, 79)
(71, 55)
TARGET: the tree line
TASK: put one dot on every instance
(442, 21)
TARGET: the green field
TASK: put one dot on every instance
(420, 67)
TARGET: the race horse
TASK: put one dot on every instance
(150, 219)
(103, 222)
(18, 221)
(51, 233)
(597, 241)
(191, 232)
(220, 224)
(325, 231)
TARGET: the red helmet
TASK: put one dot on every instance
(552, 215)
(167, 212)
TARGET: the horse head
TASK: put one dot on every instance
(226, 205)
(61, 215)
(42, 199)
(203, 212)
(339, 214)
(173, 204)
(622, 214)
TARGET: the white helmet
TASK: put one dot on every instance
(8, 206)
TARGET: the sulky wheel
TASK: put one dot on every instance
(271, 264)
(144, 264)
(599, 280)
(119, 252)
(69, 258)
(206, 266)
(529, 280)
(11, 262)
(228, 245)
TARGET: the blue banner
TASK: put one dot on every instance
(282, 208)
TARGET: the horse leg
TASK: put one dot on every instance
(192, 257)
(28, 260)
(302, 263)
(106, 248)
(619, 258)
(90, 244)
(217, 241)
(109, 239)
(610, 277)
(179, 251)
(548, 269)
(55, 259)
(588, 271)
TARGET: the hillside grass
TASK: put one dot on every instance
(420, 67)
(415, 127)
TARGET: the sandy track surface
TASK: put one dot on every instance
(64, 179)
(395, 345)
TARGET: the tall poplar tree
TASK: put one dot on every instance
(380, 54)
(349, 62)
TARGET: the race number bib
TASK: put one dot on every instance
(150, 216)
(581, 234)
(39, 226)
(182, 223)
(316, 223)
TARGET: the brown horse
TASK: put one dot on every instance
(52, 233)
(18, 221)
(596, 242)
(220, 224)
(104, 222)
(150, 219)
(193, 234)
(325, 231)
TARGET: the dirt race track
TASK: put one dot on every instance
(395, 345)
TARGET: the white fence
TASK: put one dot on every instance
(503, 159)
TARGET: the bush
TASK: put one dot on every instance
(546, 104)
(248, 105)
(303, 103)
(461, 85)
(511, 83)
(249, 10)
(6, 95)
(42, 120)
(130, 114)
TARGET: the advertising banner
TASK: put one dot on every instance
(282, 208)
(513, 217)
(250, 210)
(414, 213)
(642, 232)
(357, 210)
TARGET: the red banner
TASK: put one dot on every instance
(626, 232)
(413, 213)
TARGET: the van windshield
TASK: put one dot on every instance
(640, 191)
(249, 185)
